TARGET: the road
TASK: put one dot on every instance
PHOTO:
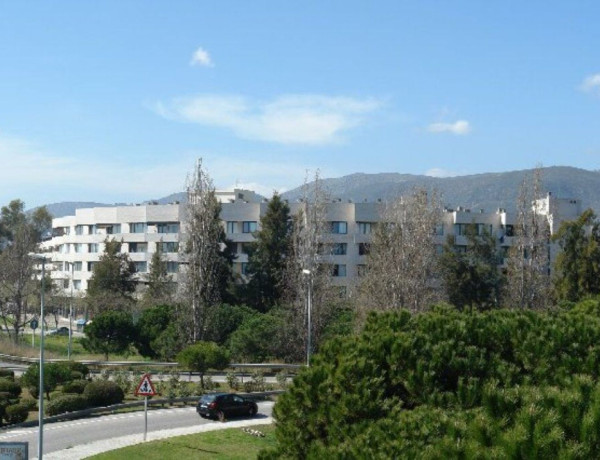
(64, 435)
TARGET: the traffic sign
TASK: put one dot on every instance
(34, 324)
(145, 388)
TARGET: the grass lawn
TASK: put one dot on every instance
(230, 443)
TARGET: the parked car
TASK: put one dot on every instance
(60, 331)
(222, 405)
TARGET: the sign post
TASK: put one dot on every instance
(145, 389)
(34, 324)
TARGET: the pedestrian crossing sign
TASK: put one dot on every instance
(145, 388)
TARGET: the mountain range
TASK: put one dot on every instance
(487, 191)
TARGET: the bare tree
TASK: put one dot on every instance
(208, 269)
(402, 261)
(307, 272)
(528, 265)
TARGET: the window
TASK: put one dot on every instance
(112, 229)
(77, 266)
(340, 227)
(90, 266)
(169, 246)
(93, 247)
(78, 247)
(140, 267)
(439, 230)
(92, 230)
(167, 227)
(65, 284)
(77, 285)
(230, 227)
(244, 268)
(79, 230)
(338, 270)
(249, 226)
(172, 267)
(364, 227)
(363, 249)
(138, 227)
(246, 247)
(460, 249)
(339, 249)
(461, 229)
(138, 247)
(509, 230)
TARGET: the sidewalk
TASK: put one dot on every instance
(98, 447)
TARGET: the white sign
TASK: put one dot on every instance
(14, 451)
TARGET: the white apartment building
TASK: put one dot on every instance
(78, 241)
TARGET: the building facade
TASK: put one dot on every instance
(78, 241)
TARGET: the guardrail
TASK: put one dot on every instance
(21, 359)
(112, 409)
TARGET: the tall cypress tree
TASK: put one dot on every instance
(267, 256)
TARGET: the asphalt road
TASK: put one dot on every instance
(64, 435)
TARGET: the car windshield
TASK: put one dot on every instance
(208, 398)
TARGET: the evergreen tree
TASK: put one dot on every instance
(160, 288)
(268, 256)
(471, 277)
(112, 284)
(577, 265)
(20, 234)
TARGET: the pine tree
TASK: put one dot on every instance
(268, 256)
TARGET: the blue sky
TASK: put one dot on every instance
(113, 100)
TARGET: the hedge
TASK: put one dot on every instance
(66, 403)
(103, 393)
(10, 386)
(76, 386)
(16, 413)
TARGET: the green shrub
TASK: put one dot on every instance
(233, 380)
(33, 391)
(66, 403)
(10, 386)
(30, 403)
(16, 413)
(103, 393)
(6, 396)
(7, 374)
(78, 370)
(75, 387)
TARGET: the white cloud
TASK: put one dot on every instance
(290, 119)
(201, 57)
(591, 84)
(440, 172)
(459, 128)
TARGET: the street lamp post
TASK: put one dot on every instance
(71, 311)
(42, 259)
(308, 273)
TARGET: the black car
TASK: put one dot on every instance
(222, 405)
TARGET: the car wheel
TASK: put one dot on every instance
(221, 416)
(253, 411)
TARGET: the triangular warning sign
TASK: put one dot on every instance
(145, 388)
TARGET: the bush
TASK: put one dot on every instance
(16, 413)
(233, 380)
(30, 403)
(7, 374)
(33, 391)
(103, 393)
(75, 387)
(78, 370)
(66, 403)
(10, 386)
